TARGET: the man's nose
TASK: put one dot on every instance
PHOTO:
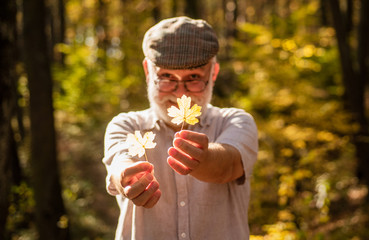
(181, 90)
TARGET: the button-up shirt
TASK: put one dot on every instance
(188, 208)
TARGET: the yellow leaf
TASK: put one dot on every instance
(138, 144)
(184, 113)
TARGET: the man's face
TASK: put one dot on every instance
(162, 97)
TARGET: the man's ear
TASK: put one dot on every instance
(215, 71)
(144, 64)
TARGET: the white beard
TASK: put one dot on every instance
(160, 106)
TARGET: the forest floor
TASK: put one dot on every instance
(93, 212)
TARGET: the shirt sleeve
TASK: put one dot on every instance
(239, 130)
(115, 148)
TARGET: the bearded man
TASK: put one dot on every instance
(196, 182)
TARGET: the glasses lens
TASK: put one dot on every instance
(195, 86)
(167, 85)
(171, 85)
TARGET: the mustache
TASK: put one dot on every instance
(194, 100)
(162, 102)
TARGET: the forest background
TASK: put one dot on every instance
(299, 67)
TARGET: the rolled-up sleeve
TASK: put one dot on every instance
(240, 131)
(115, 148)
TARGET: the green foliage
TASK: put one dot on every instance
(86, 88)
(289, 81)
(78, 195)
(284, 70)
(21, 212)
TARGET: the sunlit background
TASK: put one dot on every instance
(279, 61)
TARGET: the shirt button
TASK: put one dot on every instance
(182, 203)
(183, 235)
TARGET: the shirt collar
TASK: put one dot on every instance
(205, 118)
(150, 119)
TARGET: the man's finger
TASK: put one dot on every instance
(185, 159)
(153, 200)
(144, 197)
(137, 167)
(195, 137)
(178, 167)
(188, 148)
(134, 190)
(134, 172)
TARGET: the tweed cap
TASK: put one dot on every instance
(180, 43)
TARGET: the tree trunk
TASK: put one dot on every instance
(174, 8)
(44, 167)
(323, 12)
(101, 29)
(354, 81)
(191, 9)
(62, 27)
(156, 11)
(349, 16)
(230, 8)
(59, 29)
(8, 155)
(230, 16)
(362, 140)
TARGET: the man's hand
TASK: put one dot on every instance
(138, 184)
(188, 151)
(210, 162)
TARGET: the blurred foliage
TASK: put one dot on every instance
(290, 83)
(282, 68)
(21, 211)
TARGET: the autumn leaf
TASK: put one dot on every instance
(138, 144)
(184, 113)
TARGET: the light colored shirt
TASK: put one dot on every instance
(188, 208)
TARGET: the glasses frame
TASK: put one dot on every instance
(152, 71)
(157, 82)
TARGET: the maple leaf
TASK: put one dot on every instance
(184, 113)
(138, 144)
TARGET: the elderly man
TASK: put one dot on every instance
(196, 182)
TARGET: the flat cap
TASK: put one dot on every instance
(180, 43)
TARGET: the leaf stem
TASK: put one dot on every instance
(182, 124)
(146, 157)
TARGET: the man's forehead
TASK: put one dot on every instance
(197, 69)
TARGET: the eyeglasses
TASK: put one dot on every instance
(168, 85)
(194, 83)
